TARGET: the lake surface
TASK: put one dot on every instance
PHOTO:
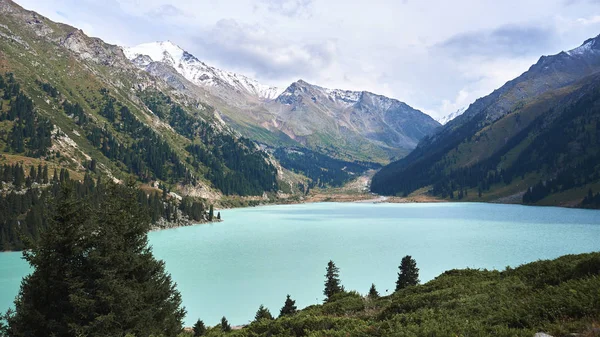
(258, 255)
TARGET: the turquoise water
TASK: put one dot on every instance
(258, 255)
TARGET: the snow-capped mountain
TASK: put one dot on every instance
(451, 116)
(195, 70)
(309, 110)
(347, 124)
(589, 46)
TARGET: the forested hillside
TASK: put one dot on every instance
(541, 149)
(323, 171)
(27, 202)
(75, 105)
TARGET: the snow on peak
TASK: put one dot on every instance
(195, 70)
(339, 97)
(165, 51)
(451, 116)
(585, 48)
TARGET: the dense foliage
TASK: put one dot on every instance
(30, 133)
(262, 313)
(333, 284)
(409, 273)
(94, 273)
(559, 297)
(322, 170)
(234, 165)
(25, 211)
(289, 307)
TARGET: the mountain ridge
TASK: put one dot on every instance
(349, 125)
(480, 152)
(195, 70)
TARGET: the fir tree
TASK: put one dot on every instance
(373, 293)
(289, 307)
(409, 273)
(225, 327)
(94, 273)
(262, 313)
(332, 281)
(199, 328)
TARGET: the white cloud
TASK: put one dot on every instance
(435, 55)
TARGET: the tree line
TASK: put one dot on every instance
(24, 201)
(30, 132)
(408, 276)
(564, 162)
(234, 165)
(322, 170)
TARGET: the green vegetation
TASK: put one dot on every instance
(558, 297)
(25, 209)
(553, 148)
(289, 307)
(199, 328)
(409, 273)
(235, 165)
(225, 327)
(262, 313)
(94, 273)
(322, 170)
(373, 293)
(30, 133)
(332, 281)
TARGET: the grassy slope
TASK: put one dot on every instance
(558, 297)
(79, 81)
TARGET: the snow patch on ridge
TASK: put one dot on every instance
(195, 70)
(444, 120)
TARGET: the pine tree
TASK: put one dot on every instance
(409, 273)
(94, 273)
(225, 327)
(262, 313)
(332, 281)
(199, 328)
(373, 293)
(289, 308)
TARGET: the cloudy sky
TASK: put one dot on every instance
(435, 55)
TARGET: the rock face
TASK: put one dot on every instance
(349, 124)
(305, 109)
(197, 71)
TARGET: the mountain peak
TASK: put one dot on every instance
(195, 70)
(589, 45)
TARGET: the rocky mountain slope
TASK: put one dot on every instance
(102, 108)
(444, 120)
(197, 71)
(343, 124)
(533, 130)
